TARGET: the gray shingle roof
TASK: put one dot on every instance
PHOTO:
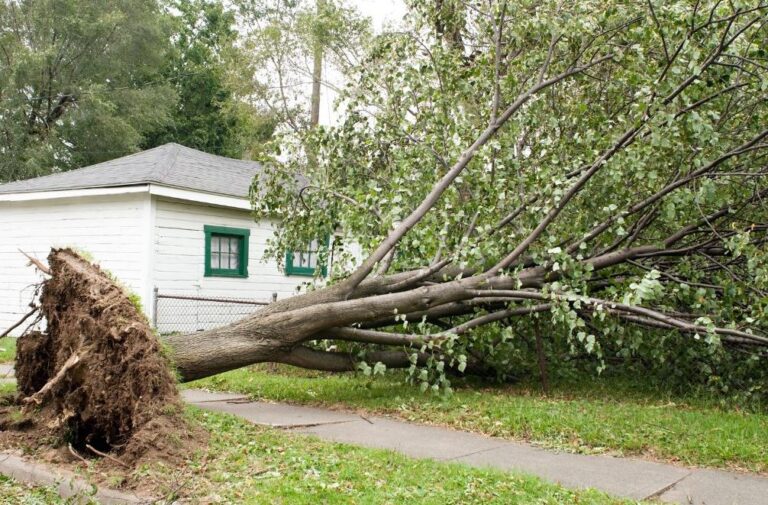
(169, 165)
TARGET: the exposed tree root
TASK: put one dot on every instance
(37, 263)
(37, 398)
(96, 378)
(19, 322)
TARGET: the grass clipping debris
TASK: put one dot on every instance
(95, 380)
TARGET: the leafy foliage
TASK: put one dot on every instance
(213, 80)
(637, 181)
(79, 82)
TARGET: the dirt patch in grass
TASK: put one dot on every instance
(96, 380)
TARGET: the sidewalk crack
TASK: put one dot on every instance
(242, 399)
(311, 425)
(473, 453)
(666, 488)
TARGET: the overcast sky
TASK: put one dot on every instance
(380, 11)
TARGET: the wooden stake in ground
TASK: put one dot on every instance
(542, 360)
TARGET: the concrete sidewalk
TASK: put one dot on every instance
(67, 484)
(7, 373)
(624, 477)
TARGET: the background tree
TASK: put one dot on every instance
(79, 82)
(84, 81)
(212, 78)
(295, 49)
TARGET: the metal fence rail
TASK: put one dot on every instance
(187, 314)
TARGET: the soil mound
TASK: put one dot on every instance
(96, 378)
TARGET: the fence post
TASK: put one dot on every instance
(154, 307)
(274, 297)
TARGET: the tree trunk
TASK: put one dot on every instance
(317, 71)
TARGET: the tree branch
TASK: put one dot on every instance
(429, 201)
(615, 307)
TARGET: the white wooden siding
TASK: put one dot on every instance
(144, 240)
(179, 259)
(113, 229)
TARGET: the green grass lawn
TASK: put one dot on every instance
(15, 492)
(593, 416)
(252, 464)
(257, 465)
(7, 349)
(12, 491)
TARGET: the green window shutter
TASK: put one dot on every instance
(226, 251)
(305, 262)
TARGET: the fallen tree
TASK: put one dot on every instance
(611, 198)
(614, 177)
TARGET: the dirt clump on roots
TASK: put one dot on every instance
(96, 380)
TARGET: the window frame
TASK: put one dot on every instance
(305, 271)
(243, 235)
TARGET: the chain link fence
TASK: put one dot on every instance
(187, 314)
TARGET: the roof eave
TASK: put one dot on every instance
(26, 196)
(192, 195)
(166, 191)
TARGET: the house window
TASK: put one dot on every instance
(226, 251)
(304, 262)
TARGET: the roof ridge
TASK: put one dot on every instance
(94, 166)
(198, 152)
(173, 154)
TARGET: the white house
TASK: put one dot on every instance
(171, 220)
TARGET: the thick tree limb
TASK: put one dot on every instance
(500, 316)
(377, 337)
(332, 361)
(615, 307)
(329, 361)
(388, 338)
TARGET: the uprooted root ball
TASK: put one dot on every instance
(96, 376)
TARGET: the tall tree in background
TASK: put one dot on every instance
(317, 68)
(290, 43)
(79, 82)
(211, 76)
